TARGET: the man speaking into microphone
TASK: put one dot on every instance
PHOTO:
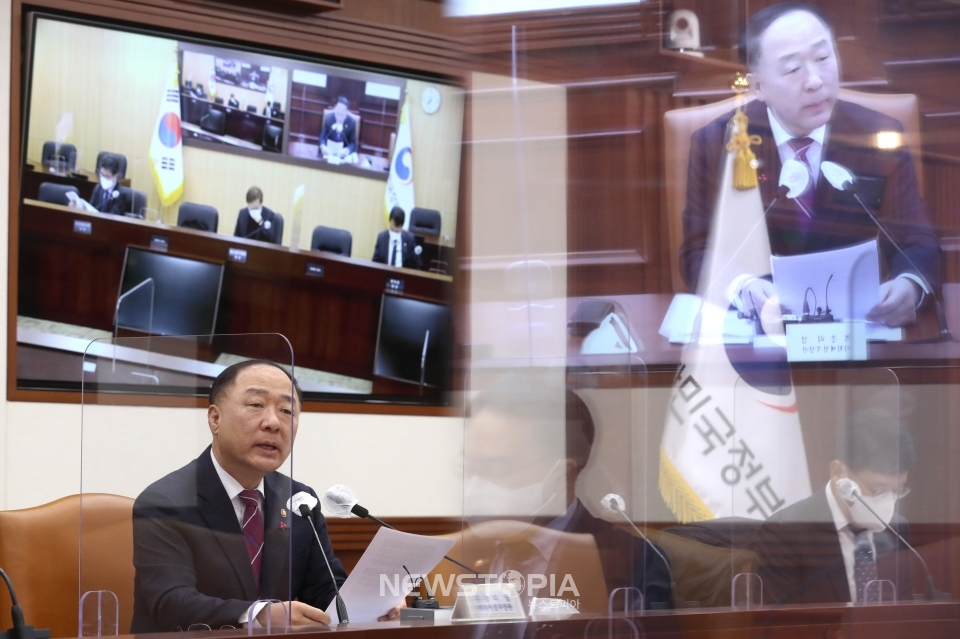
(794, 74)
(218, 535)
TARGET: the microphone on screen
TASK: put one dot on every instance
(843, 179)
(341, 501)
(302, 504)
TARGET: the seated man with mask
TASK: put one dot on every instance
(107, 196)
(257, 222)
(828, 549)
(525, 446)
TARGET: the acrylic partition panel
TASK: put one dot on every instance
(159, 533)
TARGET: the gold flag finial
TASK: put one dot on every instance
(745, 163)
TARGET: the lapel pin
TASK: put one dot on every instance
(283, 525)
(283, 512)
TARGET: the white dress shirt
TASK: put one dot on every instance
(782, 139)
(396, 239)
(846, 536)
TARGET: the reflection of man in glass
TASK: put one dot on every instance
(525, 446)
(795, 76)
(338, 138)
(827, 548)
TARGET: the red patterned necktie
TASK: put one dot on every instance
(253, 529)
(800, 147)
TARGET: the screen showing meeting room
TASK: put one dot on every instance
(112, 81)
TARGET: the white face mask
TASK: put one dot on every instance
(256, 214)
(483, 498)
(884, 505)
(106, 183)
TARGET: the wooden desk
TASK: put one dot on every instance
(331, 320)
(239, 123)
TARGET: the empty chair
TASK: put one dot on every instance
(425, 221)
(56, 193)
(198, 216)
(271, 137)
(121, 159)
(278, 226)
(213, 120)
(137, 200)
(64, 156)
(251, 108)
(329, 240)
(218, 100)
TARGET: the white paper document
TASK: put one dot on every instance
(847, 281)
(379, 581)
(688, 315)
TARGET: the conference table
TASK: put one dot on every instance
(328, 306)
(36, 173)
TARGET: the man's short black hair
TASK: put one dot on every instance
(528, 400)
(229, 375)
(110, 163)
(876, 441)
(254, 193)
(759, 22)
(397, 216)
(344, 101)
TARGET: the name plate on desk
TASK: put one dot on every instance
(827, 341)
(395, 285)
(237, 255)
(159, 243)
(83, 226)
(488, 602)
(315, 270)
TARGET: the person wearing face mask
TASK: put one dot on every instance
(257, 222)
(794, 74)
(525, 446)
(826, 548)
(107, 196)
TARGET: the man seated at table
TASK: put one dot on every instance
(827, 548)
(794, 75)
(514, 469)
(214, 537)
(395, 246)
(107, 196)
(257, 222)
(338, 137)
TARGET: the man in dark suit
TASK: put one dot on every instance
(794, 74)
(396, 246)
(257, 222)
(107, 196)
(827, 549)
(338, 137)
(215, 536)
(514, 469)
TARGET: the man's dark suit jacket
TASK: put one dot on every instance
(382, 250)
(798, 552)
(349, 131)
(627, 560)
(116, 204)
(851, 141)
(191, 558)
(247, 227)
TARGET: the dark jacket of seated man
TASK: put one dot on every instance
(405, 241)
(825, 549)
(267, 230)
(107, 196)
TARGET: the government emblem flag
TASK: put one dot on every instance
(732, 444)
(400, 181)
(166, 147)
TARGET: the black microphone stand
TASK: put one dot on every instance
(20, 630)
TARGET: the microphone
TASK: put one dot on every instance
(20, 630)
(303, 503)
(850, 491)
(842, 179)
(615, 503)
(341, 501)
(262, 225)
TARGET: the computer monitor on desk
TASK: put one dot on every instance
(413, 342)
(186, 294)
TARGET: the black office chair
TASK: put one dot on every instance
(425, 221)
(198, 216)
(214, 121)
(329, 240)
(136, 200)
(278, 224)
(122, 159)
(251, 108)
(218, 100)
(64, 158)
(56, 193)
(271, 137)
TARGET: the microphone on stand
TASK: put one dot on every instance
(264, 225)
(615, 503)
(20, 629)
(842, 179)
(850, 491)
(341, 501)
(302, 503)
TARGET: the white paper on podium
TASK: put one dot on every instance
(387, 555)
(853, 291)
